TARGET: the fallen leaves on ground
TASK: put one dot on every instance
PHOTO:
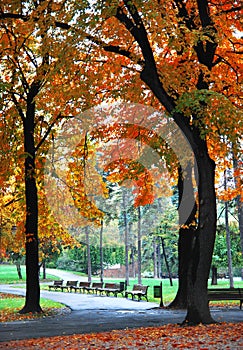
(201, 337)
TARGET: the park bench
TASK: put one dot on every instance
(69, 285)
(94, 287)
(138, 290)
(111, 288)
(81, 286)
(56, 285)
(215, 294)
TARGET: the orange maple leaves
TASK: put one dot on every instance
(216, 336)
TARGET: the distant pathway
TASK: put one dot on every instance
(65, 275)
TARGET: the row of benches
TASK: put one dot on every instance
(138, 290)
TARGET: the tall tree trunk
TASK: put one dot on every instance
(203, 241)
(133, 272)
(126, 238)
(228, 244)
(186, 235)
(44, 269)
(101, 254)
(18, 267)
(214, 280)
(89, 267)
(166, 261)
(139, 247)
(32, 301)
(159, 262)
(155, 256)
(228, 238)
(239, 205)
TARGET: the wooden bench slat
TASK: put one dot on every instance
(94, 286)
(69, 285)
(82, 286)
(138, 290)
(226, 294)
(56, 285)
(110, 288)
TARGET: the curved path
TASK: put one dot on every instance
(92, 313)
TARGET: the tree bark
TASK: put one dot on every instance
(239, 205)
(126, 238)
(44, 269)
(19, 270)
(101, 254)
(166, 261)
(159, 275)
(228, 238)
(228, 244)
(155, 257)
(32, 301)
(89, 267)
(139, 248)
(214, 281)
(186, 236)
(203, 242)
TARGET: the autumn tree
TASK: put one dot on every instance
(34, 77)
(186, 54)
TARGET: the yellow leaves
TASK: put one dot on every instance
(85, 183)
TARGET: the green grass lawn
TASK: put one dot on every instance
(169, 291)
(8, 274)
(17, 303)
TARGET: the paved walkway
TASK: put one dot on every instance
(92, 313)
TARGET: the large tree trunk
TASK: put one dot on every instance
(203, 241)
(204, 238)
(186, 235)
(32, 301)
(239, 205)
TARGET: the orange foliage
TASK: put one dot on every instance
(216, 336)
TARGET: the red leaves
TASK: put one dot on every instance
(216, 336)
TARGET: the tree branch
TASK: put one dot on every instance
(49, 130)
(206, 52)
